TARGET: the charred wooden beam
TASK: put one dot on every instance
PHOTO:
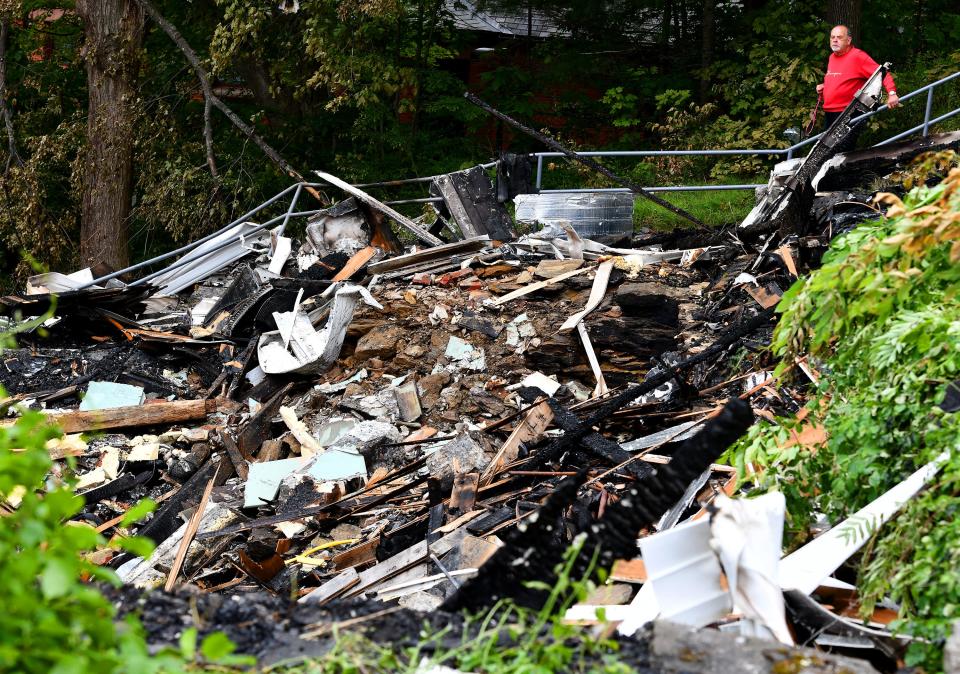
(532, 550)
(596, 443)
(572, 439)
(586, 161)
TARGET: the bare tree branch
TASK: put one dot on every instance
(208, 136)
(13, 156)
(212, 99)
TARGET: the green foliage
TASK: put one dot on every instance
(881, 319)
(55, 619)
(372, 89)
(764, 86)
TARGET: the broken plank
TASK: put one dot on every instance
(601, 387)
(629, 571)
(257, 428)
(129, 417)
(460, 521)
(531, 427)
(787, 256)
(337, 585)
(400, 588)
(388, 568)
(553, 268)
(438, 253)
(233, 453)
(454, 204)
(763, 297)
(191, 531)
(534, 287)
(662, 459)
(464, 494)
(401, 220)
(597, 292)
(364, 553)
(355, 263)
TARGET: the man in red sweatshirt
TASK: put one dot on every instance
(847, 70)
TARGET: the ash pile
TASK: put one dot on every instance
(342, 418)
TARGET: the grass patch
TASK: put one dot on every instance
(714, 208)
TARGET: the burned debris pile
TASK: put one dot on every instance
(352, 423)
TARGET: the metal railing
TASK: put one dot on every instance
(191, 254)
(787, 152)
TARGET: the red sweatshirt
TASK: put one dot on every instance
(846, 74)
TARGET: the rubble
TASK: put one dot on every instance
(333, 420)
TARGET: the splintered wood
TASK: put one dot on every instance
(129, 417)
(531, 427)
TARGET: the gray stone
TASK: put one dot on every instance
(654, 301)
(421, 601)
(381, 342)
(463, 454)
(383, 403)
(678, 648)
(614, 593)
(951, 651)
(366, 437)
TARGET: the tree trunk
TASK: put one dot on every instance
(846, 12)
(13, 156)
(706, 47)
(113, 32)
(666, 23)
(919, 42)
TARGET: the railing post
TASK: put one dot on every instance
(539, 171)
(926, 114)
(790, 152)
(293, 203)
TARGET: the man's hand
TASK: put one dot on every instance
(819, 89)
(893, 100)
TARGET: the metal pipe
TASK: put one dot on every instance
(424, 200)
(926, 114)
(932, 85)
(293, 204)
(675, 188)
(661, 153)
(396, 183)
(920, 126)
(229, 242)
(809, 141)
(539, 171)
(189, 246)
(411, 181)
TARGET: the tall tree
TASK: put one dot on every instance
(706, 47)
(846, 12)
(113, 31)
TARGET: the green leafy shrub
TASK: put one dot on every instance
(882, 317)
(55, 620)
